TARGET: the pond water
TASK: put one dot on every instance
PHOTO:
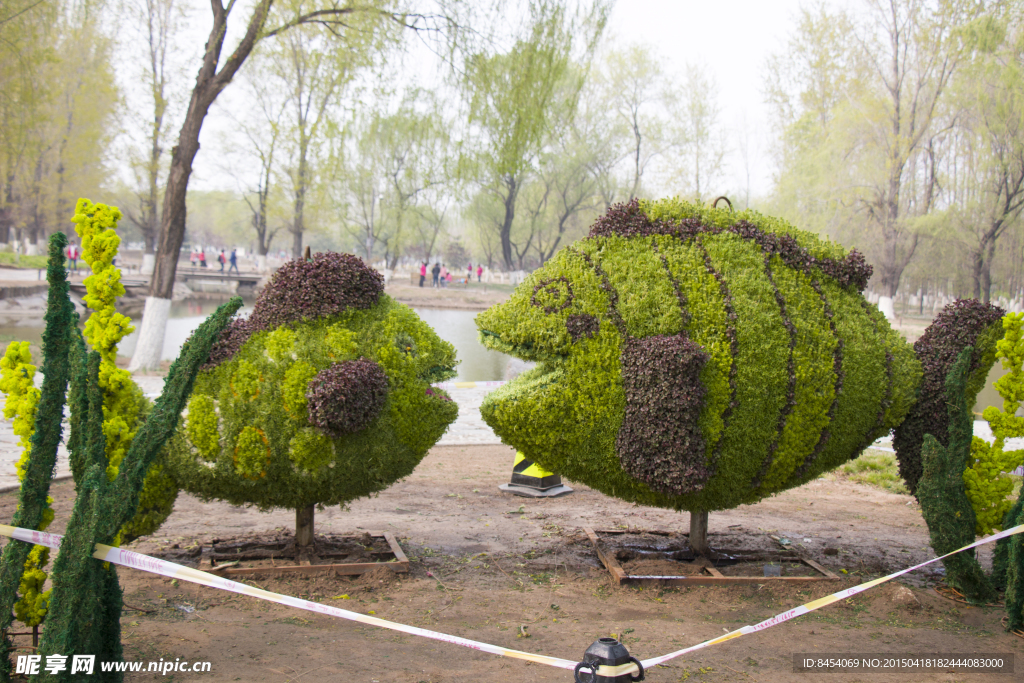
(478, 363)
(454, 326)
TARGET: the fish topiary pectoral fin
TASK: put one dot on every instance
(660, 442)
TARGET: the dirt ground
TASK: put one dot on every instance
(519, 573)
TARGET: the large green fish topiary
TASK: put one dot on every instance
(321, 396)
(697, 359)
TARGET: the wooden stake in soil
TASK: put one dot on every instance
(304, 527)
(699, 532)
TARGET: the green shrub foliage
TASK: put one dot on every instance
(85, 607)
(695, 358)
(988, 484)
(944, 503)
(34, 510)
(327, 399)
(1008, 567)
(967, 322)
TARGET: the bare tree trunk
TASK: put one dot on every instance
(209, 84)
(511, 183)
(299, 219)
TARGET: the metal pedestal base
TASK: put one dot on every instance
(530, 492)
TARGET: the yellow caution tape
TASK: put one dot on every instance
(127, 558)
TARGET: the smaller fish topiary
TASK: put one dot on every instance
(322, 395)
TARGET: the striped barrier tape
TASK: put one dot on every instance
(822, 602)
(127, 558)
(468, 385)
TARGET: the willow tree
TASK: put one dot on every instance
(515, 94)
(985, 166)
(862, 98)
(267, 20)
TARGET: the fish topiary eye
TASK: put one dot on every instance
(346, 397)
(553, 295)
(582, 325)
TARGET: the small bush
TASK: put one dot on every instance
(875, 468)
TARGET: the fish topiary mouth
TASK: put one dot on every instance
(437, 373)
(527, 350)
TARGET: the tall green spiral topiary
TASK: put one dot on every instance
(16, 382)
(85, 605)
(940, 489)
(1009, 564)
(37, 472)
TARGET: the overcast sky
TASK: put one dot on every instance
(733, 38)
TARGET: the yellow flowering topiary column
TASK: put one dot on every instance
(124, 405)
(16, 382)
(988, 486)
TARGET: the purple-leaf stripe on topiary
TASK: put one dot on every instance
(660, 442)
(837, 367)
(787, 408)
(346, 397)
(629, 220)
(326, 285)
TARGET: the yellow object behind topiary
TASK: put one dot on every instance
(988, 486)
(16, 381)
(124, 405)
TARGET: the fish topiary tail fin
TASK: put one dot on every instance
(963, 323)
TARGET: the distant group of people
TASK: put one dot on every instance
(442, 276)
(198, 258)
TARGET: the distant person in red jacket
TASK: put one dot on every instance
(423, 273)
(72, 253)
(479, 272)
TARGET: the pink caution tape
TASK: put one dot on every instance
(821, 602)
(127, 558)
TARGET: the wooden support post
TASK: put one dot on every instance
(699, 532)
(304, 528)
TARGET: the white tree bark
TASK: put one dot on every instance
(150, 346)
(148, 263)
(261, 263)
(31, 249)
(885, 306)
